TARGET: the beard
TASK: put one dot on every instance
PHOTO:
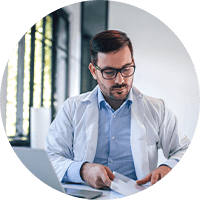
(117, 92)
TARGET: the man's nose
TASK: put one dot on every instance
(119, 78)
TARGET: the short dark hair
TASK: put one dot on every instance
(108, 41)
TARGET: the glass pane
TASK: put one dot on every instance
(38, 66)
(47, 78)
(47, 68)
(11, 94)
(48, 30)
(26, 82)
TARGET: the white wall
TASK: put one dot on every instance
(163, 66)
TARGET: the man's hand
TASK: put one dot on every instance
(155, 175)
(96, 175)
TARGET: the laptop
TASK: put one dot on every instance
(37, 162)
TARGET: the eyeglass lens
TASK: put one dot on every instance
(125, 72)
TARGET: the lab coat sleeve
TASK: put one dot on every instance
(172, 141)
(59, 140)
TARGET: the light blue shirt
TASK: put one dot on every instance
(113, 144)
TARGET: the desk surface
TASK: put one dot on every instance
(107, 193)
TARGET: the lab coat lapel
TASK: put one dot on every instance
(91, 123)
(138, 138)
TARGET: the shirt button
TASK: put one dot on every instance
(114, 116)
(111, 161)
(113, 137)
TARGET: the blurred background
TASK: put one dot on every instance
(50, 64)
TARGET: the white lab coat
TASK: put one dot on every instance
(73, 134)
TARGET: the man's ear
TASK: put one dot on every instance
(93, 70)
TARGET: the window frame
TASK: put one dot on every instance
(20, 139)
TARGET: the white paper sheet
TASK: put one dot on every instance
(125, 185)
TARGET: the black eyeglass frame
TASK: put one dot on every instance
(117, 70)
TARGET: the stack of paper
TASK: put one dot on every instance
(125, 185)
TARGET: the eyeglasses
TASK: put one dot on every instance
(111, 73)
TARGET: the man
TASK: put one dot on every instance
(114, 127)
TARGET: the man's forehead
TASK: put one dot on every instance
(115, 59)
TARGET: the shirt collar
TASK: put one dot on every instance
(100, 98)
(102, 101)
(129, 98)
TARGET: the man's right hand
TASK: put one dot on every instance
(96, 175)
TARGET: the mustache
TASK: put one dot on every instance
(117, 86)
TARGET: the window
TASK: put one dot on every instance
(32, 74)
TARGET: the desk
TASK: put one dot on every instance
(107, 193)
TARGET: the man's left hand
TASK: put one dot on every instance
(155, 175)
